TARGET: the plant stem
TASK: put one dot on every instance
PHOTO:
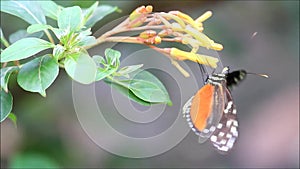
(116, 81)
(17, 63)
(4, 65)
(61, 65)
(124, 39)
(106, 37)
(5, 42)
(49, 36)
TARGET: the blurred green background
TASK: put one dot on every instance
(268, 109)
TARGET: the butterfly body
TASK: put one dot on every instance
(235, 77)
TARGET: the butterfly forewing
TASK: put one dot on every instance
(215, 115)
(204, 110)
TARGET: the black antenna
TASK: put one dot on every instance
(259, 74)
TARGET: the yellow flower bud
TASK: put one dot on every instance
(208, 60)
(149, 8)
(201, 37)
(139, 11)
(137, 22)
(201, 59)
(217, 47)
(175, 18)
(164, 32)
(204, 17)
(157, 40)
(154, 40)
(176, 27)
(182, 16)
(147, 34)
(186, 18)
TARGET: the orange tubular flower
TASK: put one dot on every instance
(153, 28)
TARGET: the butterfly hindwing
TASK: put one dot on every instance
(226, 131)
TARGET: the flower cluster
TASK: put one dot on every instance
(157, 27)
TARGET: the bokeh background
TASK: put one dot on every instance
(268, 109)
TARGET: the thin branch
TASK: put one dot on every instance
(17, 63)
(49, 36)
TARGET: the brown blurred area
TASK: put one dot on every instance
(268, 109)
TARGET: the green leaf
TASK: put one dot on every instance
(38, 74)
(24, 48)
(37, 27)
(126, 92)
(5, 74)
(102, 73)
(89, 12)
(6, 104)
(21, 34)
(99, 60)
(112, 57)
(81, 67)
(99, 13)
(148, 91)
(50, 8)
(30, 11)
(124, 71)
(32, 160)
(59, 33)
(85, 33)
(86, 41)
(59, 52)
(112, 65)
(13, 118)
(103, 70)
(147, 87)
(70, 18)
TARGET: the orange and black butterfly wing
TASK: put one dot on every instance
(204, 110)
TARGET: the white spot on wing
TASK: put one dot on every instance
(235, 123)
(228, 123)
(221, 134)
(228, 135)
(233, 129)
(205, 131)
(230, 142)
(229, 104)
(213, 138)
(223, 141)
(224, 148)
(219, 125)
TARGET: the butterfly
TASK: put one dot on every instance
(211, 112)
